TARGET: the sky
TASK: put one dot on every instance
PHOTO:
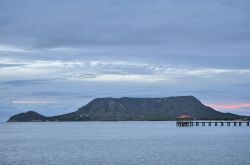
(56, 56)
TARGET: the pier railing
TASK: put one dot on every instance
(212, 123)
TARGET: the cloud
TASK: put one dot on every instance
(241, 108)
(27, 82)
(10, 48)
(33, 102)
(94, 70)
(238, 106)
(76, 50)
(9, 65)
(123, 23)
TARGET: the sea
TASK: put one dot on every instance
(122, 143)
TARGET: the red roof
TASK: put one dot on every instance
(184, 117)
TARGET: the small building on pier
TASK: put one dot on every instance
(184, 120)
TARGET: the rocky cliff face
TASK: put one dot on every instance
(132, 109)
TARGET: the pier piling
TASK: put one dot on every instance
(212, 123)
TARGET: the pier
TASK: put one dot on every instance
(187, 120)
(212, 123)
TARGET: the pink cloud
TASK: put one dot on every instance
(229, 106)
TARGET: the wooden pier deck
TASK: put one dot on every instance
(212, 123)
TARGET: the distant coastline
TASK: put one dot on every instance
(134, 109)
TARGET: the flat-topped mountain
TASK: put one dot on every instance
(134, 109)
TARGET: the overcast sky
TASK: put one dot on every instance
(57, 55)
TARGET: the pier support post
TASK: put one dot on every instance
(210, 123)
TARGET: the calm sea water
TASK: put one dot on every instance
(122, 143)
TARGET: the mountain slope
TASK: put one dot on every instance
(132, 109)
